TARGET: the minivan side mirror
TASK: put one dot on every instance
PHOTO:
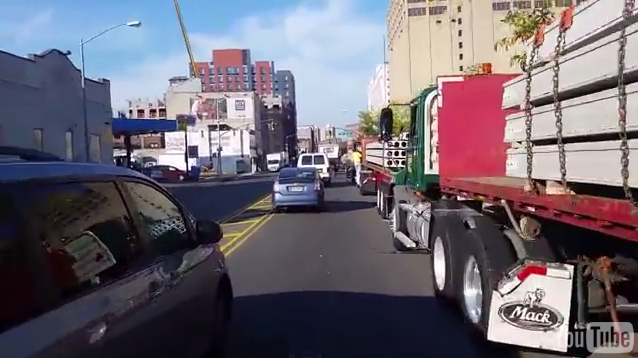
(385, 124)
(209, 232)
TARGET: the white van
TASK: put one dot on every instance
(318, 161)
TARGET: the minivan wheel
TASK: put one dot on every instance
(220, 326)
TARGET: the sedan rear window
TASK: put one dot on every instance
(319, 160)
(306, 160)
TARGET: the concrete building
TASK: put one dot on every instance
(379, 88)
(431, 38)
(232, 70)
(238, 110)
(144, 109)
(41, 107)
(285, 86)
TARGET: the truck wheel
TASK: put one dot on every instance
(395, 217)
(448, 247)
(487, 256)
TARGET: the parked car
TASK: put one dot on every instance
(100, 261)
(298, 187)
(165, 173)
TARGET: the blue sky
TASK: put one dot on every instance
(332, 46)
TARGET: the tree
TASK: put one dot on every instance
(368, 123)
(369, 120)
(524, 25)
(401, 117)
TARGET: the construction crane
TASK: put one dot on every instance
(187, 42)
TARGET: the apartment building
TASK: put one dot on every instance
(379, 88)
(429, 38)
(285, 85)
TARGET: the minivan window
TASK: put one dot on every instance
(319, 160)
(86, 232)
(18, 302)
(306, 160)
(163, 218)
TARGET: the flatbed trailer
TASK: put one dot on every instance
(531, 256)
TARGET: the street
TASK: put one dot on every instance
(327, 284)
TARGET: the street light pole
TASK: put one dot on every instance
(85, 114)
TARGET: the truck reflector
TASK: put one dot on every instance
(526, 268)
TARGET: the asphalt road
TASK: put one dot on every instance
(218, 200)
(330, 285)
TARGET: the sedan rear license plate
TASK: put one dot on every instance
(296, 188)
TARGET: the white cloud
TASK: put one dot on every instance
(27, 28)
(331, 50)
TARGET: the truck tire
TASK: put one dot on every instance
(394, 216)
(448, 249)
(487, 256)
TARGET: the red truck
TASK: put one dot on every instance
(521, 190)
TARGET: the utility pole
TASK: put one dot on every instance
(219, 139)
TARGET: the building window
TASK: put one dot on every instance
(201, 71)
(69, 145)
(501, 6)
(95, 148)
(220, 71)
(262, 71)
(461, 56)
(460, 45)
(417, 11)
(263, 86)
(263, 78)
(246, 86)
(220, 78)
(286, 78)
(459, 21)
(37, 139)
(460, 33)
(522, 5)
(245, 78)
(460, 68)
(229, 79)
(238, 86)
(459, 8)
(438, 10)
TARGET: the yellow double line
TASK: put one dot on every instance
(239, 238)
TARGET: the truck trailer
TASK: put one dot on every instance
(520, 187)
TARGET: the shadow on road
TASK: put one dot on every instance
(343, 325)
(341, 184)
(345, 206)
(249, 214)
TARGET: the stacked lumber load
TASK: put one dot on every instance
(390, 155)
(571, 114)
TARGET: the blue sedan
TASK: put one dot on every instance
(298, 187)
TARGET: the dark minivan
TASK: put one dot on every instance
(101, 261)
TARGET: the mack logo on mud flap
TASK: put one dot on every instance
(531, 314)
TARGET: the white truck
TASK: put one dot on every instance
(276, 161)
(332, 150)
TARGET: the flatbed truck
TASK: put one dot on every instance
(531, 242)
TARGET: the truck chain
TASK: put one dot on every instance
(622, 105)
(529, 66)
(558, 108)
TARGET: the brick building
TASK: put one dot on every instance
(232, 70)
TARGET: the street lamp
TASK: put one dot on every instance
(85, 119)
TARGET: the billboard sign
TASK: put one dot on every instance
(208, 108)
(240, 108)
